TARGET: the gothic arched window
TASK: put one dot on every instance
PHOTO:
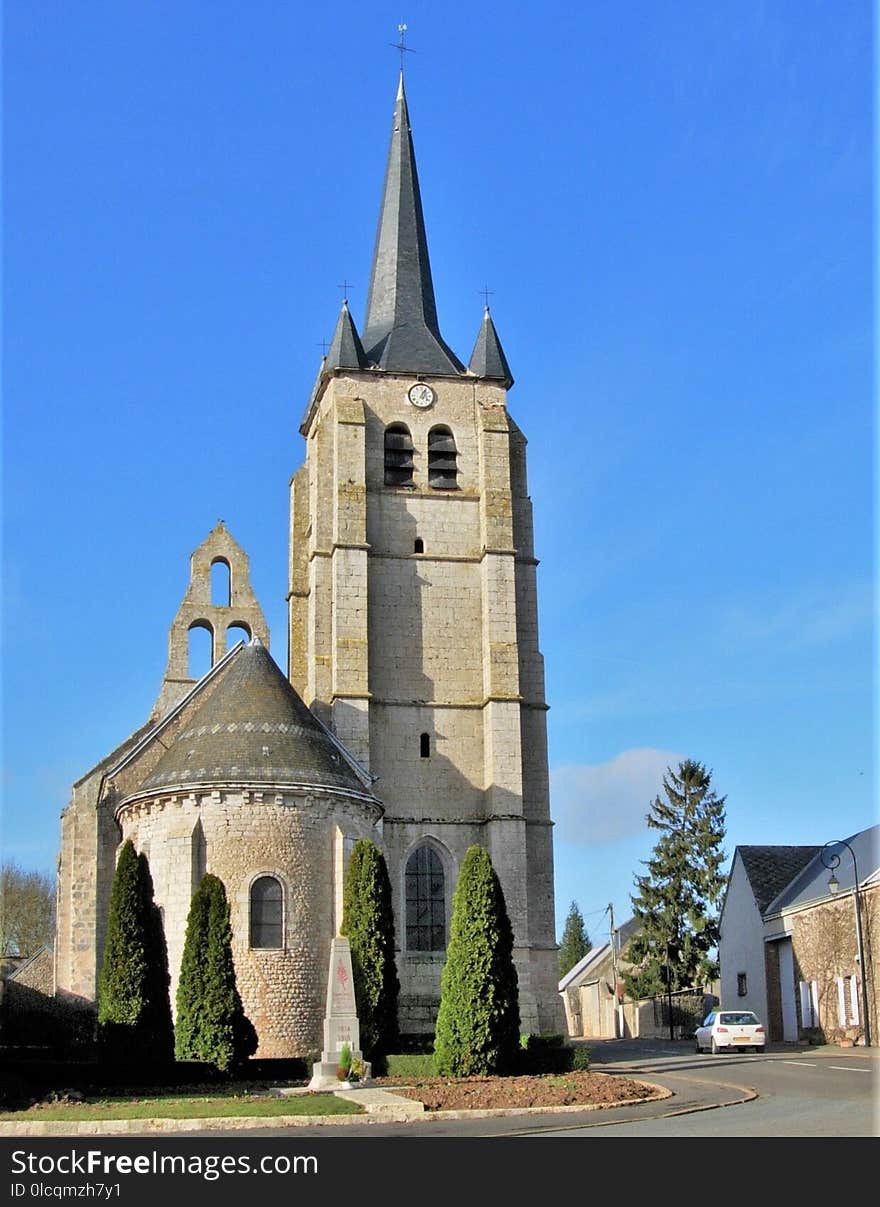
(267, 909)
(398, 456)
(442, 459)
(425, 901)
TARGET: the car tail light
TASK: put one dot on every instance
(761, 1029)
(724, 1029)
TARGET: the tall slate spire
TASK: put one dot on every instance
(401, 333)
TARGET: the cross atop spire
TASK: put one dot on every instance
(401, 46)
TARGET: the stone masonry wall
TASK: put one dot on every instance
(825, 948)
(244, 835)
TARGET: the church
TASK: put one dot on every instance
(411, 710)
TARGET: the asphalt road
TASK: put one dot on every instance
(797, 1094)
(787, 1093)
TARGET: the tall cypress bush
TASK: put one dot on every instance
(190, 983)
(134, 1010)
(478, 1021)
(368, 923)
(157, 1022)
(211, 1022)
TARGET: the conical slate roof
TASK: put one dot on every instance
(487, 358)
(346, 350)
(401, 333)
(254, 729)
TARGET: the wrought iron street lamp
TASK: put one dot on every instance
(831, 860)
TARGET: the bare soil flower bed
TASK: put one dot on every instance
(504, 1093)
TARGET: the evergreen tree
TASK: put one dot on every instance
(676, 901)
(368, 923)
(575, 940)
(190, 983)
(211, 1022)
(157, 1023)
(134, 1010)
(478, 1021)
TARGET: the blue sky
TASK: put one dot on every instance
(672, 204)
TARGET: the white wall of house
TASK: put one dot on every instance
(741, 949)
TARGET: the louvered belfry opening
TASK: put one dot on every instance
(398, 456)
(442, 459)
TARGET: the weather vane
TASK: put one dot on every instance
(401, 45)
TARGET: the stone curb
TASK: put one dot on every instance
(391, 1108)
(138, 1127)
(441, 1116)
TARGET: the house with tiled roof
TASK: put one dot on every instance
(797, 943)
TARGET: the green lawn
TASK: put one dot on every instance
(178, 1107)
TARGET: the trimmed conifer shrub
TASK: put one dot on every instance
(156, 1021)
(478, 1021)
(368, 923)
(134, 1010)
(190, 983)
(211, 1022)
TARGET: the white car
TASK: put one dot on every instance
(730, 1029)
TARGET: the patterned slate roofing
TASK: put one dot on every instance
(254, 729)
(770, 869)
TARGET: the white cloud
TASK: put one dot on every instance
(604, 802)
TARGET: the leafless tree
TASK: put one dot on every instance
(27, 910)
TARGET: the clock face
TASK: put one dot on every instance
(420, 395)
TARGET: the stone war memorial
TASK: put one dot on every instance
(411, 709)
(341, 1022)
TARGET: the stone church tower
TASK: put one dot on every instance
(413, 608)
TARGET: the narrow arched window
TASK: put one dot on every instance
(237, 632)
(221, 583)
(267, 908)
(425, 745)
(398, 456)
(425, 901)
(419, 546)
(200, 649)
(442, 459)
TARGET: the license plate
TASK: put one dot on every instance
(742, 1039)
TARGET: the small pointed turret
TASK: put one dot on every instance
(346, 350)
(487, 358)
(401, 333)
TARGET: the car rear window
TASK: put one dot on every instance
(741, 1019)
